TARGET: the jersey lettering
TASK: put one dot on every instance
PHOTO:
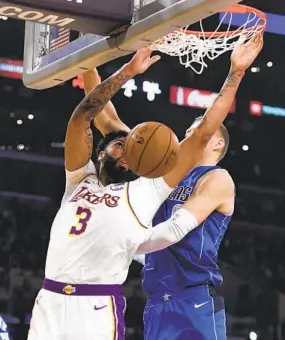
(84, 193)
(181, 193)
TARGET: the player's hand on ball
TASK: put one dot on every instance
(142, 60)
(244, 54)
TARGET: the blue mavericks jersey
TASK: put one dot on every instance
(192, 261)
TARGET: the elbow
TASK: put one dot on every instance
(78, 119)
(204, 137)
(74, 124)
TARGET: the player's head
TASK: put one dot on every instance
(110, 155)
(218, 145)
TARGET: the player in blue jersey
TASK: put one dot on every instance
(180, 281)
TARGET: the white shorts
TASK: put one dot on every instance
(70, 317)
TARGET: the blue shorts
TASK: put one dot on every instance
(192, 314)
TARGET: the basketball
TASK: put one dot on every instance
(151, 149)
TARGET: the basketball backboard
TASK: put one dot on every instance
(44, 69)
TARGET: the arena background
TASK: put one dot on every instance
(32, 129)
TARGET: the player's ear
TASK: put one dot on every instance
(220, 143)
(101, 156)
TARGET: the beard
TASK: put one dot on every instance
(117, 174)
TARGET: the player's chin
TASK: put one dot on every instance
(123, 168)
(126, 174)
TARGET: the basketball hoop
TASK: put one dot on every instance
(193, 47)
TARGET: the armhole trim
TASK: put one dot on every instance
(131, 208)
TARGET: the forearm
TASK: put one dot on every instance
(97, 99)
(192, 146)
(108, 120)
(169, 232)
(216, 114)
(91, 79)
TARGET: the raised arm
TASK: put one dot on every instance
(192, 147)
(214, 191)
(79, 138)
(107, 120)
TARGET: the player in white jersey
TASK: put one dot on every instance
(102, 222)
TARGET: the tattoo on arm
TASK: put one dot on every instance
(95, 101)
(233, 79)
(231, 85)
(88, 138)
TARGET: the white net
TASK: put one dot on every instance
(193, 49)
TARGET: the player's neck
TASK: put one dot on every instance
(104, 179)
(207, 161)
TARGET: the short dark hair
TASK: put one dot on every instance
(225, 135)
(105, 141)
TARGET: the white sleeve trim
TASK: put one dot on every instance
(75, 177)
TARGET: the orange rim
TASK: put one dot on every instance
(241, 9)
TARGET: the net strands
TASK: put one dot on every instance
(193, 48)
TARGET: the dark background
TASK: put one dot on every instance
(32, 180)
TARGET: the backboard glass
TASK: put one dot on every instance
(44, 69)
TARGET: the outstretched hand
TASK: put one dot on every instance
(244, 54)
(142, 60)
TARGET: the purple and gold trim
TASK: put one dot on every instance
(118, 308)
(114, 319)
(131, 208)
(82, 289)
(117, 303)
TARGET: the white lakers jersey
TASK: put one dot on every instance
(98, 229)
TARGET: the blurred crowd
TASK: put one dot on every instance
(24, 226)
(251, 262)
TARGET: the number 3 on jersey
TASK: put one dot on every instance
(83, 215)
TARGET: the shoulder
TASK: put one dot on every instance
(218, 178)
(150, 184)
(219, 174)
(77, 176)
